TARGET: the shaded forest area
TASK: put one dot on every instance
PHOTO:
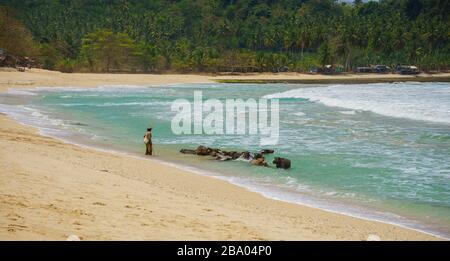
(225, 35)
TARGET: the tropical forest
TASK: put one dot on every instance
(225, 35)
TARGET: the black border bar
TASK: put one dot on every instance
(223, 249)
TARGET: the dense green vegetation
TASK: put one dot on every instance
(14, 36)
(212, 35)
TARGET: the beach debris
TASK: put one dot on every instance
(282, 163)
(255, 159)
(73, 238)
(373, 237)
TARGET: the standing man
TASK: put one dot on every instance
(148, 141)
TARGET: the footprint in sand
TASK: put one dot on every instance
(13, 216)
(14, 227)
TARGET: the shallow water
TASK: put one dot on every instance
(378, 151)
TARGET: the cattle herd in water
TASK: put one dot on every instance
(256, 159)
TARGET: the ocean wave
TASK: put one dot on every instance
(437, 137)
(21, 92)
(29, 116)
(402, 100)
(119, 88)
(111, 88)
(348, 112)
(46, 124)
(111, 104)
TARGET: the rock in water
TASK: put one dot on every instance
(203, 151)
(282, 163)
(188, 151)
(266, 151)
(214, 152)
(246, 155)
(222, 157)
(236, 155)
(257, 155)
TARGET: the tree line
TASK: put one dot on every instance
(217, 35)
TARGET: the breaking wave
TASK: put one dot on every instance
(401, 100)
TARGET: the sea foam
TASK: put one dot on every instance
(401, 100)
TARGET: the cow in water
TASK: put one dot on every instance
(282, 163)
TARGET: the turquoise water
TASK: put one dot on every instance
(379, 151)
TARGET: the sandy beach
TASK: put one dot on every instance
(50, 189)
(43, 78)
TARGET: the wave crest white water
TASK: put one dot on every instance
(401, 100)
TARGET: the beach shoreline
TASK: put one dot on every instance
(11, 78)
(113, 196)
